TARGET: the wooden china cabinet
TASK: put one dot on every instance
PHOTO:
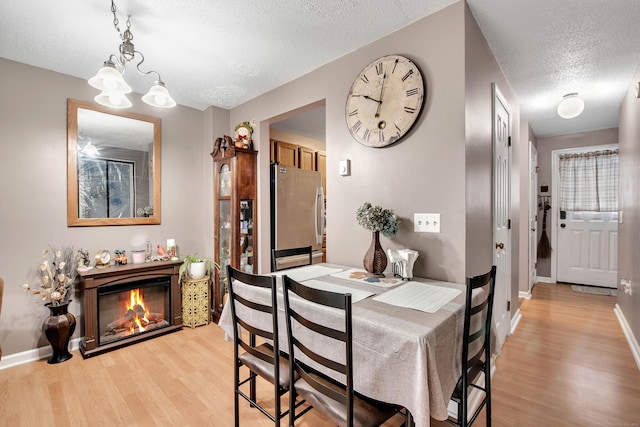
(235, 209)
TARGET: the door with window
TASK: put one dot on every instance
(587, 216)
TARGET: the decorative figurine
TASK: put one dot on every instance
(83, 259)
(244, 131)
(121, 258)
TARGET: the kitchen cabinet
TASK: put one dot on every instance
(284, 153)
(307, 158)
(235, 201)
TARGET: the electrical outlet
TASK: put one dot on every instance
(426, 223)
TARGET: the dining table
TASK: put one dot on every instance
(407, 334)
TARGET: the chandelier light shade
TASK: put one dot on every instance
(158, 96)
(110, 81)
(113, 99)
(571, 106)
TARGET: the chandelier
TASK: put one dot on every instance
(110, 81)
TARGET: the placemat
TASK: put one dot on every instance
(300, 274)
(419, 296)
(360, 276)
(356, 294)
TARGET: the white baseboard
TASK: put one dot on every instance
(545, 279)
(524, 294)
(11, 360)
(517, 316)
(628, 333)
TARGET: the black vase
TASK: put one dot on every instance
(58, 328)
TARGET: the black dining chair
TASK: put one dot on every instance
(335, 400)
(301, 260)
(476, 351)
(261, 358)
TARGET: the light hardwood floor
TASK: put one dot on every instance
(567, 364)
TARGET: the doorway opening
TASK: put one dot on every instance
(298, 143)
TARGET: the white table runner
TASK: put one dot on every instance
(300, 274)
(419, 296)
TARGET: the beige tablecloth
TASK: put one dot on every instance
(402, 356)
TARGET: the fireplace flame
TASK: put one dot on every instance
(136, 305)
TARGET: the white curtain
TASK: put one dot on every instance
(589, 181)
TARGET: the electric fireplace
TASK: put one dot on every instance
(123, 305)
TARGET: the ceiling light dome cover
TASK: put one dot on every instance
(571, 106)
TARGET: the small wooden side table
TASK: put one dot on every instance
(195, 302)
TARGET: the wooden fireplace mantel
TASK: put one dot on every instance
(91, 280)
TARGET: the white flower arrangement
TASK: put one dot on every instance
(57, 275)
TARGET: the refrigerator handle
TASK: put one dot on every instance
(319, 210)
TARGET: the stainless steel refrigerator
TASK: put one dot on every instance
(297, 209)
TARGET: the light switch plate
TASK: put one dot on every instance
(426, 222)
(344, 168)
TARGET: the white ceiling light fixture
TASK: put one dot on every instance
(110, 81)
(571, 106)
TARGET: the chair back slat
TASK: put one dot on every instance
(277, 254)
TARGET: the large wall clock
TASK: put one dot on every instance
(384, 101)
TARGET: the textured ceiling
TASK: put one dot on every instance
(224, 52)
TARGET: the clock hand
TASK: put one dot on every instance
(368, 97)
(384, 79)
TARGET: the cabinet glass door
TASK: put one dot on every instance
(224, 245)
(246, 236)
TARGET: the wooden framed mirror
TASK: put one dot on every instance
(113, 166)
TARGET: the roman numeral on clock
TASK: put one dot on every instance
(364, 78)
(413, 91)
(409, 110)
(356, 126)
(406, 76)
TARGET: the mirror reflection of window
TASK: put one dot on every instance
(105, 188)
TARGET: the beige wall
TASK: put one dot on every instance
(629, 205)
(33, 189)
(545, 147)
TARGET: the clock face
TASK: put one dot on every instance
(385, 101)
(104, 256)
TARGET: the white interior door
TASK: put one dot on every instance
(588, 248)
(501, 213)
(585, 243)
(533, 214)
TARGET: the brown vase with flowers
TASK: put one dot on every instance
(57, 275)
(376, 220)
